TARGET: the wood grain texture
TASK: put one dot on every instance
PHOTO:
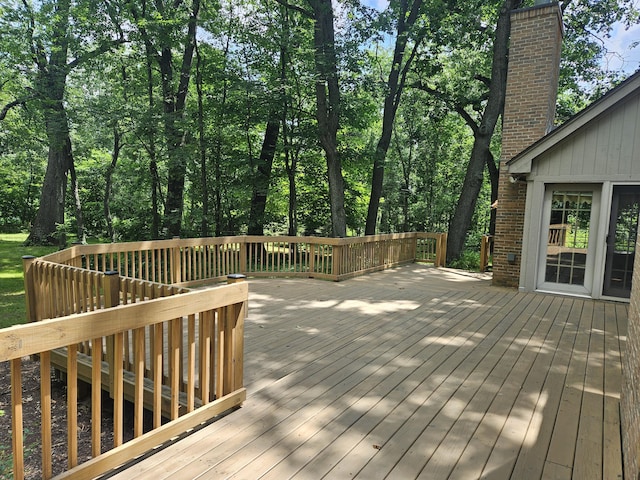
(413, 372)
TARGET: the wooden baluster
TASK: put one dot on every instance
(157, 374)
(139, 359)
(175, 326)
(96, 395)
(191, 362)
(111, 299)
(118, 389)
(72, 406)
(16, 419)
(29, 288)
(45, 413)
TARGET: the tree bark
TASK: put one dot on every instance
(50, 84)
(202, 144)
(494, 175)
(44, 230)
(395, 85)
(174, 104)
(481, 154)
(328, 109)
(174, 101)
(262, 177)
(51, 78)
(108, 183)
(151, 149)
(77, 204)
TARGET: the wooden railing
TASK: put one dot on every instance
(558, 234)
(56, 290)
(119, 317)
(197, 345)
(194, 261)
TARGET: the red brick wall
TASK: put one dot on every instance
(630, 399)
(532, 82)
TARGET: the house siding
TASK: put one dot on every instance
(607, 148)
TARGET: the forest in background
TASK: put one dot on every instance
(139, 119)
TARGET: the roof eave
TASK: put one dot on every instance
(521, 163)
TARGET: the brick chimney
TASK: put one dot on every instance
(530, 105)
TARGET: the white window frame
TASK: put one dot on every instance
(594, 235)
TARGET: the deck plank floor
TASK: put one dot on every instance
(415, 372)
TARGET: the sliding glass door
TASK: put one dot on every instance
(621, 241)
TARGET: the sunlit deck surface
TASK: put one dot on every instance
(415, 372)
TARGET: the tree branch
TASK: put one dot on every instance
(459, 108)
(36, 48)
(296, 8)
(483, 79)
(15, 103)
(104, 48)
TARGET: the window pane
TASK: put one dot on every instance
(568, 237)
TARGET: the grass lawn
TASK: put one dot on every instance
(12, 306)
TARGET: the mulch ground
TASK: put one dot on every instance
(31, 422)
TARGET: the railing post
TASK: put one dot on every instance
(414, 246)
(236, 278)
(234, 337)
(29, 288)
(176, 263)
(243, 257)
(441, 254)
(485, 252)
(336, 261)
(312, 259)
(76, 260)
(111, 299)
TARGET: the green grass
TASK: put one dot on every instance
(12, 305)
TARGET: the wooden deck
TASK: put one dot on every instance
(415, 372)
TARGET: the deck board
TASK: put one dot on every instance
(414, 372)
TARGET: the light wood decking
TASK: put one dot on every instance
(415, 372)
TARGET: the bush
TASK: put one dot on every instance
(469, 260)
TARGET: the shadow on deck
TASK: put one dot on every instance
(415, 372)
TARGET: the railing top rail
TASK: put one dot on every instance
(45, 262)
(61, 256)
(428, 235)
(75, 251)
(29, 339)
(177, 288)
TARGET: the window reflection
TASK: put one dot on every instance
(568, 239)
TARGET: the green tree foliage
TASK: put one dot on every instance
(163, 111)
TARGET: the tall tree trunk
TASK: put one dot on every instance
(395, 85)
(480, 153)
(52, 198)
(174, 110)
(50, 85)
(218, 139)
(328, 109)
(262, 176)
(291, 166)
(115, 154)
(494, 175)
(174, 101)
(151, 147)
(77, 205)
(293, 201)
(202, 144)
